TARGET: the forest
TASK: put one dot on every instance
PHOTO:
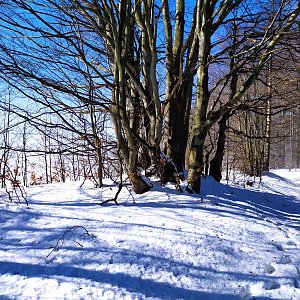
(150, 149)
(137, 89)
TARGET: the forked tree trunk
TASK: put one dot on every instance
(124, 128)
(129, 152)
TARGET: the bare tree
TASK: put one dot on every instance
(260, 51)
(86, 57)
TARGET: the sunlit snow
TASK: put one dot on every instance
(233, 243)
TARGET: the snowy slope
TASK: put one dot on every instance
(236, 243)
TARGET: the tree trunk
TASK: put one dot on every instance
(99, 167)
(216, 163)
(138, 183)
(200, 127)
(196, 165)
(178, 135)
(179, 85)
(266, 165)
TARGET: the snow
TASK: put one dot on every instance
(230, 243)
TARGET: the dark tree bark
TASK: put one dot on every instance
(179, 86)
(216, 163)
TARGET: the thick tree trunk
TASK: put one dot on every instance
(139, 185)
(196, 165)
(216, 163)
(130, 156)
(178, 134)
(178, 95)
(200, 126)
(180, 115)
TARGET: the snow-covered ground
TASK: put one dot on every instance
(235, 243)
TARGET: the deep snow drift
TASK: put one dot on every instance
(234, 243)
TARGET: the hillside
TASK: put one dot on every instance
(233, 243)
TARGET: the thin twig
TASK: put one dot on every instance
(62, 238)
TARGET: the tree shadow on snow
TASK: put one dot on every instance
(230, 200)
(147, 287)
(141, 285)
